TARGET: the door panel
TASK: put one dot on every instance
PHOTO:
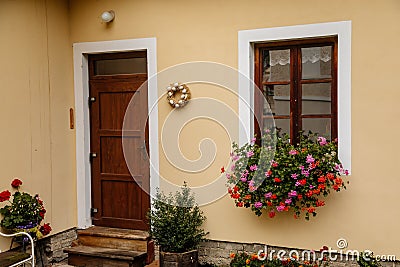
(116, 192)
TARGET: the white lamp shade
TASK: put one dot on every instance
(107, 16)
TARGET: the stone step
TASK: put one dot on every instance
(88, 256)
(127, 239)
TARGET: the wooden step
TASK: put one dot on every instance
(114, 238)
(11, 257)
(88, 256)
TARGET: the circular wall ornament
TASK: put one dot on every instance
(180, 91)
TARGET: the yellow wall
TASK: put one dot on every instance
(37, 87)
(367, 213)
(40, 148)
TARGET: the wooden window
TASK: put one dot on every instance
(298, 81)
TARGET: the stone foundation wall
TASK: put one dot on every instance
(218, 253)
(50, 249)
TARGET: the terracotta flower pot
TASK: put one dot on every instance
(184, 259)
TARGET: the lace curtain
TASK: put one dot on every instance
(312, 54)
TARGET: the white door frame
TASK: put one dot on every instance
(81, 87)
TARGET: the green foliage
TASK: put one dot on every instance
(23, 210)
(367, 259)
(176, 221)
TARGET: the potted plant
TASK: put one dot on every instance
(175, 225)
(278, 176)
(25, 213)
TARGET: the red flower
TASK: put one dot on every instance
(235, 188)
(42, 213)
(222, 169)
(309, 193)
(247, 197)
(330, 176)
(5, 195)
(321, 179)
(321, 186)
(271, 214)
(239, 204)
(299, 196)
(277, 180)
(336, 187)
(311, 210)
(236, 196)
(45, 229)
(317, 191)
(319, 203)
(274, 196)
(16, 183)
(230, 191)
(303, 181)
(269, 203)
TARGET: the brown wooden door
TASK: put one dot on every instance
(118, 199)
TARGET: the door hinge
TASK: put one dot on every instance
(93, 211)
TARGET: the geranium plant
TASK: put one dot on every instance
(24, 212)
(278, 176)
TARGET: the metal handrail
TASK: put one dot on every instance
(32, 257)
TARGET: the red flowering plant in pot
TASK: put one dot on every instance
(278, 176)
(23, 213)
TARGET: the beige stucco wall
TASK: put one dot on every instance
(37, 87)
(367, 213)
(38, 146)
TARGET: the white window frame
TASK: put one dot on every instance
(246, 40)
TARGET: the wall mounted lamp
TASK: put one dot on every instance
(108, 16)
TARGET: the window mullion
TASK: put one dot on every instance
(295, 93)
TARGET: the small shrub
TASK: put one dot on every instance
(176, 221)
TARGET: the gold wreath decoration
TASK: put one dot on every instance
(184, 91)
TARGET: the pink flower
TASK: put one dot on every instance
(293, 152)
(310, 159)
(306, 173)
(280, 207)
(268, 173)
(258, 205)
(267, 130)
(294, 175)
(250, 153)
(253, 140)
(288, 201)
(322, 141)
(233, 167)
(292, 193)
(243, 179)
(253, 167)
(228, 176)
(235, 158)
(268, 195)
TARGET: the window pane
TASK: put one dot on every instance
(316, 62)
(278, 98)
(322, 126)
(120, 66)
(316, 98)
(283, 124)
(276, 65)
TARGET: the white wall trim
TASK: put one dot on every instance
(81, 86)
(342, 29)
